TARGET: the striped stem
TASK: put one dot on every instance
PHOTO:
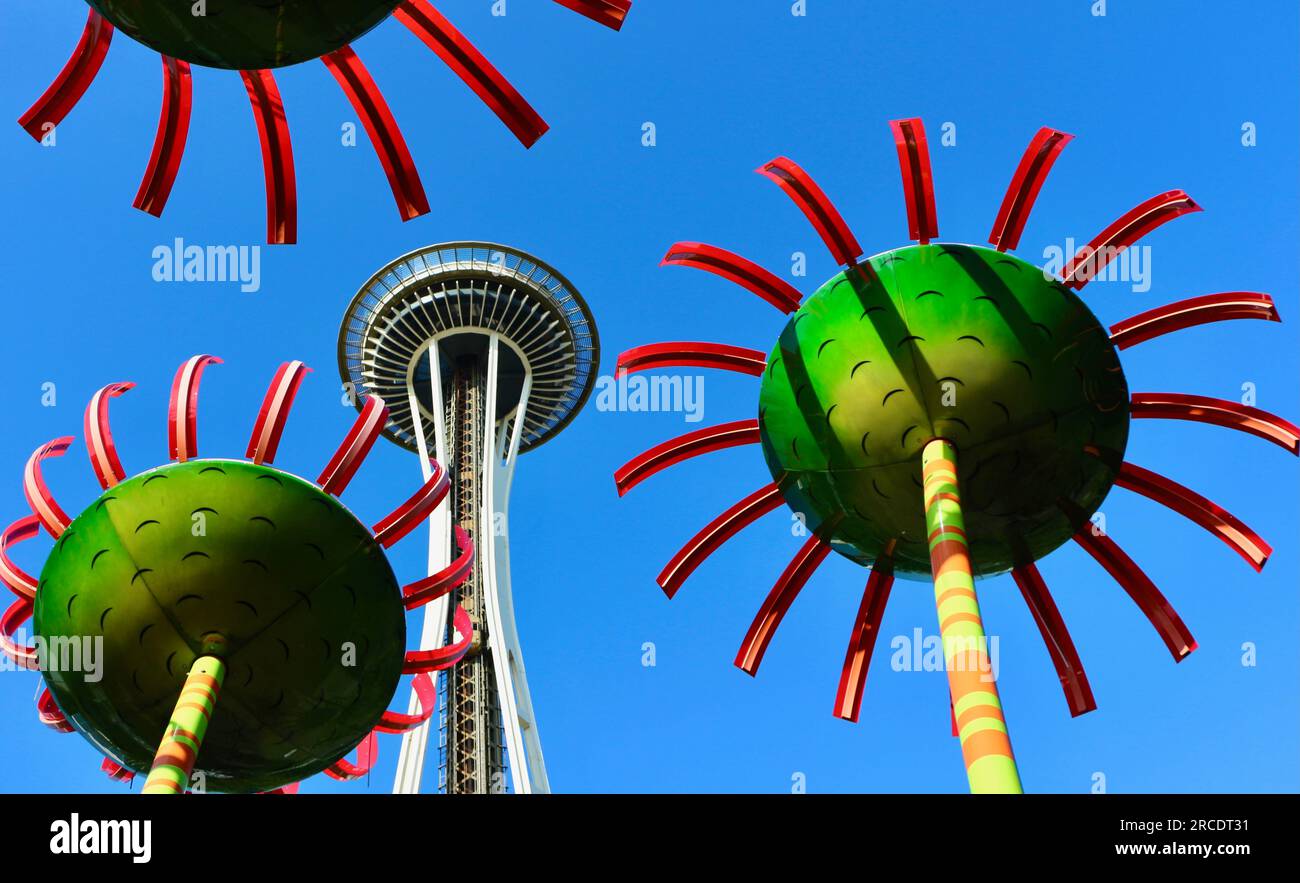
(174, 762)
(985, 744)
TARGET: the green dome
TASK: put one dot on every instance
(246, 562)
(245, 34)
(952, 341)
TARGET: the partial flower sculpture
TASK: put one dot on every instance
(945, 411)
(257, 36)
(249, 622)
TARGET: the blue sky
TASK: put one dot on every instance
(1156, 92)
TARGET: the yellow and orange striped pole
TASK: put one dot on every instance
(174, 762)
(985, 744)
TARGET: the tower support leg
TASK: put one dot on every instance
(174, 762)
(985, 743)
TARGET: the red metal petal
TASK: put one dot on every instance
(271, 417)
(778, 601)
(862, 641)
(13, 618)
(692, 444)
(182, 412)
(469, 64)
(816, 207)
(42, 502)
(365, 430)
(1140, 588)
(417, 594)
(918, 183)
(1220, 412)
(277, 157)
(1191, 312)
(1124, 232)
(384, 134)
(99, 435)
(19, 581)
(692, 354)
(715, 533)
(73, 81)
(344, 770)
(443, 657)
(169, 143)
(1069, 668)
(732, 267)
(1186, 502)
(115, 771)
(392, 722)
(406, 517)
(1022, 192)
(610, 13)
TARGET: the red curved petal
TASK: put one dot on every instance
(116, 771)
(1140, 588)
(99, 435)
(13, 618)
(273, 414)
(816, 207)
(442, 657)
(344, 770)
(1069, 668)
(365, 430)
(42, 502)
(406, 517)
(169, 143)
(1124, 232)
(610, 13)
(73, 81)
(1022, 192)
(476, 71)
(1191, 312)
(19, 581)
(732, 267)
(862, 641)
(1220, 412)
(692, 444)
(692, 354)
(715, 533)
(182, 412)
(382, 128)
(277, 157)
(430, 588)
(918, 183)
(778, 601)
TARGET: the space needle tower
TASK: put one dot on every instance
(481, 352)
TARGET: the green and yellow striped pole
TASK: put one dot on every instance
(985, 744)
(174, 761)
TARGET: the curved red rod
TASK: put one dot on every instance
(918, 182)
(816, 207)
(427, 693)
(419, 593)
(443, 657)
(273, 414)
(692, 354)
(99, 436)
(1069, 668)
(344, 770)
(476, 71)
(384, 134)
(277, 157)
(48, 713)
(732, 267)
(18, 581)
(778, 601)
(356, 445)
(182, 412)
(862, 641)
(406, 517)
(1124, 232)
(169, 143)
(715, 533)
(1192, 312)
(1220, 412)
(42, 502)
(73, 81)
(1186, 502)
(610, 13)
(1140, 588)
(675, 450)
(1022, 192)
(10, 621)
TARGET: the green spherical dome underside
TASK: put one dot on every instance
(245, 34)
(312, 627)
(944, 341)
